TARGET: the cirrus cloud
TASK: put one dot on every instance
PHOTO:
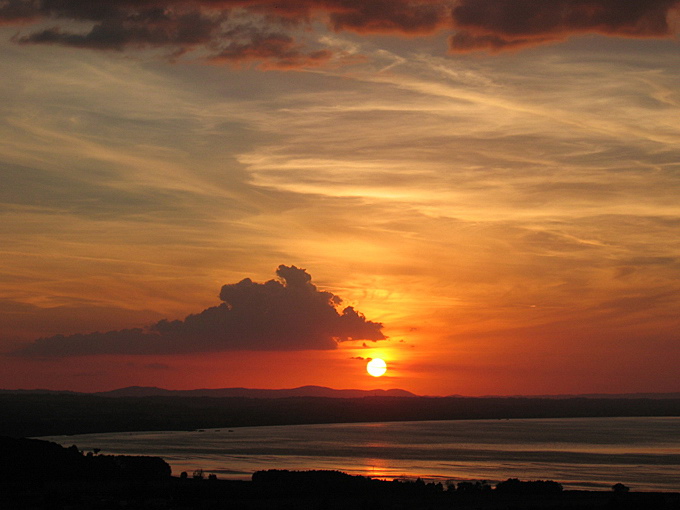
(287, 314)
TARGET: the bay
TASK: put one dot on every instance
(580, 453)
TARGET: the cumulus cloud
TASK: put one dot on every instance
(281, 315)
(276, 34)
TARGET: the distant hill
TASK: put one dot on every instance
(303, 391)
(39, 392)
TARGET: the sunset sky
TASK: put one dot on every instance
(484, 193)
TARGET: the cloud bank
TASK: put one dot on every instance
(288, 314)
(497, 25)
(281, 35)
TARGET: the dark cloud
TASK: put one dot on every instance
(390, 16)
(281, 315)
(497, 25)
(271, 32)
(17, 11)
(180, 26)
(268, 36)
(143, 28)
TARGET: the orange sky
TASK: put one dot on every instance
(499, 192)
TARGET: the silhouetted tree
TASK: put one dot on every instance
(620, 488)
(473, 487)
(515, 486)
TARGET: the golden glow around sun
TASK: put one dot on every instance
(376, 367)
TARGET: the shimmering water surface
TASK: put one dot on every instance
(584, 453)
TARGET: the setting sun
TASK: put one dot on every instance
(376, 367)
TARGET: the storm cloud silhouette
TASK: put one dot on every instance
(287, 314)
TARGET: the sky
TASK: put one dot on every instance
(268, 193)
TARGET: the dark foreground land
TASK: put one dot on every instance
(33, 415)
(41, 475)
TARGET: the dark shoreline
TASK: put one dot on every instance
(35, 415)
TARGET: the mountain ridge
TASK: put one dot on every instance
(302, 391)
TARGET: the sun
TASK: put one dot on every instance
(376, 367)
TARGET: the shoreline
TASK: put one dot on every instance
(39, 415)
(466, 456)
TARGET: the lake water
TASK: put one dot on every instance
(580, 453)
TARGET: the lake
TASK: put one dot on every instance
(580, 453)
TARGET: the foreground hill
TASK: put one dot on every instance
(32, 415)
(25, 460)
